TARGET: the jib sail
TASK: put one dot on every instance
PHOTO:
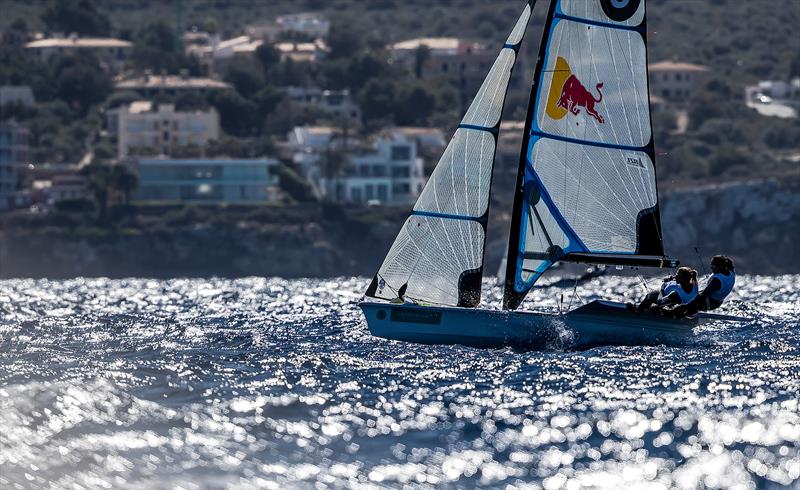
(438, 254)
(586, 184)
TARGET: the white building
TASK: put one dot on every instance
(216, 53)
(310, 25)
(310, 52)
(775, 98)
(150, 85)
(13, 155)
(780, 90)
(338, 103)
(143, 129)
(16, 94)
(210, 181)
(391, 173)
(675, 80)
(112, 53)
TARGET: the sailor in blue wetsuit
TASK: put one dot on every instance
(678, 290)
(719, 286)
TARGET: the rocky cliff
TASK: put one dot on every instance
(757, 223)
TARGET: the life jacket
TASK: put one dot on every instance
(727, 283)
(674, 287)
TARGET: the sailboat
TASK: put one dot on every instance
(585, 193)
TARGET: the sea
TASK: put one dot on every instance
(275, 383)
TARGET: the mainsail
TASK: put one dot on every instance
(586, 184)
(438, 254)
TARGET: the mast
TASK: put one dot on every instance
(510, 299)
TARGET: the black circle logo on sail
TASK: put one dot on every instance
(620, 10)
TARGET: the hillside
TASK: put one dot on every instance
(744, 40)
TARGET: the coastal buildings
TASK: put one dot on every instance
(112, 53)
(216, 54)
(302, 52)
(675, 81)
(338, 104)
(143, 128)
(206, 181)
(13, 155)
(308, 25)
(445, 57)
(386, 170)
(776, 98)
(149, 85)
(388, 173)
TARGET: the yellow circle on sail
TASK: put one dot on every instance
(560, 75)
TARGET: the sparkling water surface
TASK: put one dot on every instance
(269, 383)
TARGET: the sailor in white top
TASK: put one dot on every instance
(678, 290)
(718, 287)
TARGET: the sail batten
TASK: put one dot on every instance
(438, 255)
(586, 187)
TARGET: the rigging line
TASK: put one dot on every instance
(541, 224)
(574, 291)
(646, 287)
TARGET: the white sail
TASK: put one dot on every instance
(438, 254)
(586, 182)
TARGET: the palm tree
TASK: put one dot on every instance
(124, 181)
(99, 175)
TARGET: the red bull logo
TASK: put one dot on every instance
(569, 95)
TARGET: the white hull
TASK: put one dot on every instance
(597, 323)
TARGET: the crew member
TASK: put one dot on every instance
(718, 287)
(680, 289)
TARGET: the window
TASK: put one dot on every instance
(383, 193)
(400, 153)
(401, 189)
(379, 171)
(355, 194)
(370, 192)
(401, 172)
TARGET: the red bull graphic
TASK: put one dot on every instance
(568, 94)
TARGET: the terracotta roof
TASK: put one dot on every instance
(676, 66)
(88, 42)
(170, 81)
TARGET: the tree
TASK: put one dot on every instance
(99, 175)
(245, 77)
(415, 105)
(344, 42)
(238, 116)
(268, 56)
(421, 57)
(123, 180)
(79, 16)
(82, 85)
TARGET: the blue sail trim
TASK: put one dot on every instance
(542, 134)
(457, 217)
(551, 206)
(575, 244)
(622, 27)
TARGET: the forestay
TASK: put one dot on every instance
(586, 184)
(438, 254)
